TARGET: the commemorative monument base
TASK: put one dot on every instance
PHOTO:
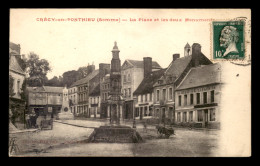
(115, 134)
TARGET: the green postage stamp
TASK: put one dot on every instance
(228, 40)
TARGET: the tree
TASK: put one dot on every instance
(70, 77)
(82, 72)
(55, 81)
(37, 70)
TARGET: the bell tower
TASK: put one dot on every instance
(187, 50)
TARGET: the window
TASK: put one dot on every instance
(170, 93)
(18, 86)
(151, 96)
(198, 98)
(178, 117)
(205, 97)
(129, 92)
(164, 94)
(108, 86)
(145, 97)
(124, 76)
(184, 117)
(185, 99)
(180, 100)
(212, 93)
(145, 111)
(191, 99)
(129, 77)
(212, 115)
(191, 116)
(125, 92)
(141, 98)
(157, 95)
(200, 117)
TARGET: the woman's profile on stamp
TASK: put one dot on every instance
(228, 39)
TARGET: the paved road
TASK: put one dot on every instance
(61, 134)
(190, 143)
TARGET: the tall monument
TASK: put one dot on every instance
(115, 99)
(115, 132)
(65, 112)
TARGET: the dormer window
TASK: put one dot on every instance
(159, 81)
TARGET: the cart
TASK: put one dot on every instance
(46, 124)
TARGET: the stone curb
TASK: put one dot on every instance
(73, 124)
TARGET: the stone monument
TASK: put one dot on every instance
(65, 112)
(114, 132)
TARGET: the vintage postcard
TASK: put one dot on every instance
(130, 83)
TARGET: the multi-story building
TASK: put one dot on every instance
(132, 75)
(45, 100)
(18, 75)
(104, 88)
(164, 88)
(94, 100)
(16, 103)
(143, 95)
(198, 96)
(73, 98)
(83, 93)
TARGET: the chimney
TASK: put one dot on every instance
(147, 66)
(196, 51)
(104, 69)
(175, 56)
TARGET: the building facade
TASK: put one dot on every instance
(17, 105)
(83, 94)
(164, 88)
(197, 100)
(95, 102)
(73, 98)
(143, 95)
(132, 75)
(45, 100)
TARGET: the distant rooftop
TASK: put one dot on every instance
(86, 79)
(201, 76)
(140, 64)
(146, 86)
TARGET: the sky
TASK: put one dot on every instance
(68, 45)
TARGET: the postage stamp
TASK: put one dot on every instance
(228, 40)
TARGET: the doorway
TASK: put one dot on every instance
(206, 117)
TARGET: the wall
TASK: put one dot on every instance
(17, 77)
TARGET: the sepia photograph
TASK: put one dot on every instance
(129, 82)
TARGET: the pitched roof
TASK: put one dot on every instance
(140, 64)
(86, 79)
(14, 48)
(146, 86)
(187, 45)
(14, 65)
(51, 89)
(95, 91)
(200, 76)
(177, 67)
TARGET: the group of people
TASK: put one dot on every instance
(31, 120)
